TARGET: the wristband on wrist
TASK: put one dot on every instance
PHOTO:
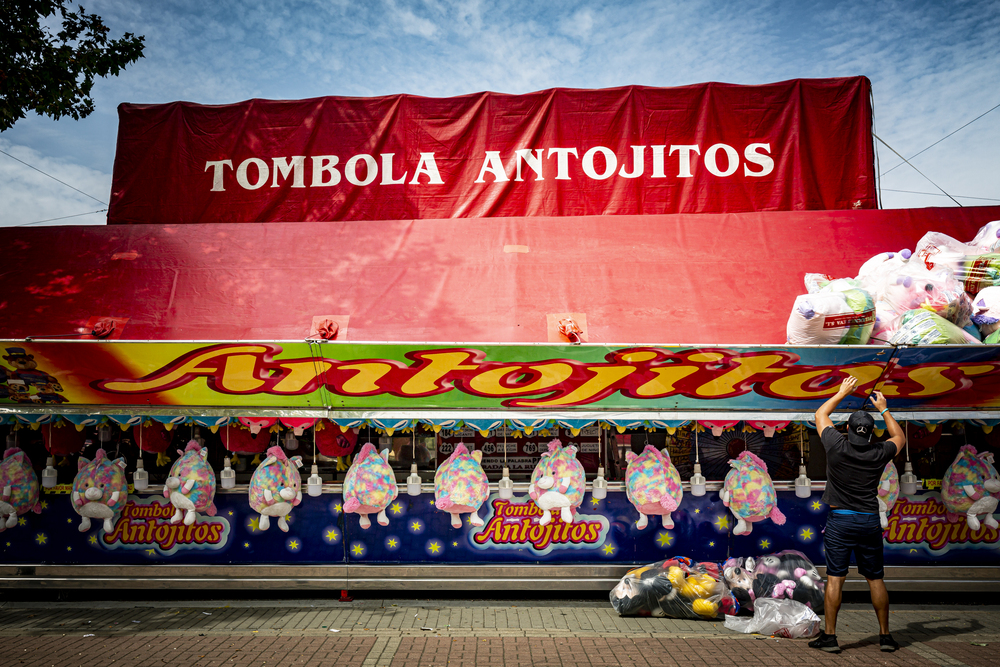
(885, 410)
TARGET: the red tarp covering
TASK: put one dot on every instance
(706, 148)
(726, 279)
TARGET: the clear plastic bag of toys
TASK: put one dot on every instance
(673, 588)
(778, 618)
(785, 575)
(937, 291)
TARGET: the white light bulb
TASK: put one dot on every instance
(506, 486)
(228, 475)
(291, 442)
(908, 481)
(413, 481)
(49, 474)
(803, 485)
(140, 478)
(314, 485)
(697, 481)
(599, 489)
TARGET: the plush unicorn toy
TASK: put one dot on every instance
(557, 483)
(460, 486)
(276, 487)
(99, 490)
(748, 492)
(191, 485)
(653, 485)
(18, 488)
(370, 485)
(888, 493)
(970, 487)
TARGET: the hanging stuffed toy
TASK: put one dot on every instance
(155, 438)
(888, 492)
(370, 485)
(18, 488)
(191, 485)
(100, 490)
(557, 482)
(276, 487)
(460, 486)
(749, 493)
(970, 487)
(333, 442)
(653, 485)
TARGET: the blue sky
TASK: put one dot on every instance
(934, 66)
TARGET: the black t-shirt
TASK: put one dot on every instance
(852, 472)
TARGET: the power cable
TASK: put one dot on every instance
(915, 169)
(101, 201)
(938, 194)
(76, 215)
(942, 138)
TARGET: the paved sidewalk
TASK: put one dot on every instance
(421, 633)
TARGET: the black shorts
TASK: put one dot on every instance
(857, 533)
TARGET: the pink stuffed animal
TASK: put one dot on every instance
(970, 487)
(557, 482)
(276, 487)
(191, 485)
(749, 494)
(18, 488)
(99, 490)
(888, 493)
(653, 485)
(370, 485)
(460, 486)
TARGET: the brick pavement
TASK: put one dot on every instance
(422, 633)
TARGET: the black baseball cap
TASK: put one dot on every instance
(860, 426)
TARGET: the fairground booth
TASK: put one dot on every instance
(294, 294)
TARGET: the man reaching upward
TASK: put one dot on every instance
(854, 466)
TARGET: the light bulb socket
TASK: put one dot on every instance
(413, 481)
(291, 442)
(314, 485)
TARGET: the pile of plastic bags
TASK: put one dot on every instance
(945, 292)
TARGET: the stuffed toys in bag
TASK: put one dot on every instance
(971, 487)
(973, 268)
(749, 493)
(785, 575)
(674, 588)
(370, 485)
(938, 291)
(190, 485)
(276, 487)
(986, 311)
(100, 490)
(460, 486)
(839, 314)
(987, 239)
(653, 485)
(888, 493)
(18, 488)
(922, 327)
(557, 483)
(872, 273)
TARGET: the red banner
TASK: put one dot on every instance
(707, 148)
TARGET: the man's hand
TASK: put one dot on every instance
(848, 386)
(878, 400)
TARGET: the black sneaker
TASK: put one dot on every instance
(887, 643)
(826, 643)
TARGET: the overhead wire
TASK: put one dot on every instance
(940, 140)
(64, 217)
(915, 169)
(100, 201)
(938, 194)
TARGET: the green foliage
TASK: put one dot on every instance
(53, 74)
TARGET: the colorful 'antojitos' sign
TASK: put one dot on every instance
(399, 376)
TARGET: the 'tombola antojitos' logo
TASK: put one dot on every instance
(514, 525)
(924, 523)
(145, 524)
